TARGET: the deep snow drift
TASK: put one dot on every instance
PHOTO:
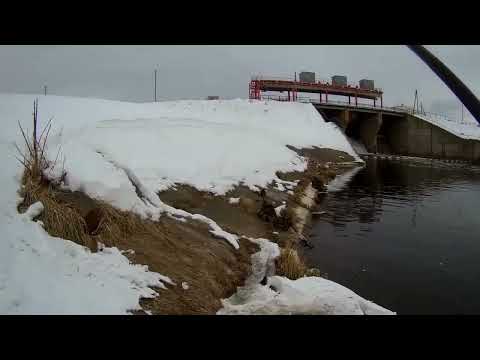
(124, 153)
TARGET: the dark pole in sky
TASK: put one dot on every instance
(450, 79)
(45, 89)
(155, 85)
(415, 101)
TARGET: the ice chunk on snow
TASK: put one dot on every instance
(34, 210)
(283, 185)
(308, 295)
(278, 209)
(315, 295)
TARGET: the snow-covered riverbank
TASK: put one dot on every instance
(113, 151)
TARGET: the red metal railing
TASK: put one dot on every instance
(321, 81)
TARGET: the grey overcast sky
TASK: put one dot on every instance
(193, 72)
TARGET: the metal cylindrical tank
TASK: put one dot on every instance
(339, 80)
(307, 76)
(366, 84)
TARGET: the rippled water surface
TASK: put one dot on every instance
(405, 237)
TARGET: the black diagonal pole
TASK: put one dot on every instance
(463, 93)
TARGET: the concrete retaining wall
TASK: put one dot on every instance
(396, 134)
(409, 135)
(344, 119)
(425, 139)
(368, 131)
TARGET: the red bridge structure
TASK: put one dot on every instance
(399, 130)
(323, 88)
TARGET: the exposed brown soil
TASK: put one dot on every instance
(186, 251)
(323, 155)
(254, 217)
(237, 219)
(246, 218)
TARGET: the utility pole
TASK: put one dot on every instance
(415, 101)
(45, 90)
(155, 85)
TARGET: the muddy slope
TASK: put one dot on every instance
(209, 268)
(206, 269)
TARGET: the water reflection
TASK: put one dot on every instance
(405, 237)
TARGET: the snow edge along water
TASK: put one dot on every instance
(110, 284)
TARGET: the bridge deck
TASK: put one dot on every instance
(317, 87)
(340, 105)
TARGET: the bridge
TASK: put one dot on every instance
(387, 130)
(321, 87)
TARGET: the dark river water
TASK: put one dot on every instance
(405, 237)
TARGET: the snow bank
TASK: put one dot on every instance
(40, 274)
(34, 210)
(114, 150)
(304, 296)
(124, 153)
(211, 145)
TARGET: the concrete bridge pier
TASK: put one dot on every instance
(344, 119)
(368, 131)
(390, 131)
(362, 126)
